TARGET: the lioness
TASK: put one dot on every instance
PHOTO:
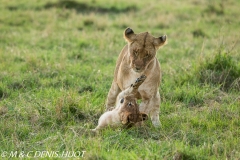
(137, 58)
(126, 111)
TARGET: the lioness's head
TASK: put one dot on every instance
(129, 112)
(142, 48)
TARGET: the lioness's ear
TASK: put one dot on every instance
(125, 117)
(129, 35)
(142, 117)
(160, 41)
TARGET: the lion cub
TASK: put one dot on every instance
(126, 111)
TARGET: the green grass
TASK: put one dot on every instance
(57, 60)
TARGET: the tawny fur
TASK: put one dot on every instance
(126, 111)
(137, 58)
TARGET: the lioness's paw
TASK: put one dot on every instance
(139, 81)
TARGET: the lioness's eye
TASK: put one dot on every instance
(147, 55)
(122, 100)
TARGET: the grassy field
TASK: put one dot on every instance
(57, 60)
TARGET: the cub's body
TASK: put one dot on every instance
(126, 111)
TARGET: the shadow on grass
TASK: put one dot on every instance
(2, 93)
(84, 7)
(146, 132)
(80, 7)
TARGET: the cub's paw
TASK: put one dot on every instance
(139, 81)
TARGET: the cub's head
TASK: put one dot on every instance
(129, 112)
(142, 48)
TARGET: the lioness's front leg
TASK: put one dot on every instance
(112, 96)
(152, 106)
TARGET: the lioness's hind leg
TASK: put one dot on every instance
(154, 114)
(152, 107)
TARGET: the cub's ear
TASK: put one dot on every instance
(142, 117)
(160, 41)
(129, 35)
(125, 117)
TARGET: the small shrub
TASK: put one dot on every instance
(85, 89)
(181, 155)
(76, 112)
(75, 56)
(1, 93)
(67, 109)
(24, 84)
(188, 94)
(88, 22)
(23, 132)
(83, 44)
(220, 70)
(199, 33)
(214, 8)
(3, 110)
